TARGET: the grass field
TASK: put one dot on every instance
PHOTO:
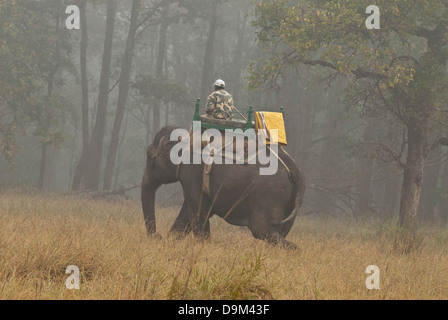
(41, 235)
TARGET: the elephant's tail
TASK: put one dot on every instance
(291, 216)
(298, 187)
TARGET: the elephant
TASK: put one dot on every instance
(159, 171)
(267, 205)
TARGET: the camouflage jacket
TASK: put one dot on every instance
(220, 105)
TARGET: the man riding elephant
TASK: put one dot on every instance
(220, 102)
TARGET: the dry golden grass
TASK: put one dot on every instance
(41, 235)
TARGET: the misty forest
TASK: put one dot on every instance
(86, 85)
(365, 110)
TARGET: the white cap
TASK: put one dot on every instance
(220, 84)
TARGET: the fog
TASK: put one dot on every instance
(62, 91)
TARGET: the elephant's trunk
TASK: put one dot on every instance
(159, 170)
(148, 196)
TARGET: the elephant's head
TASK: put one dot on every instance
(159, 170)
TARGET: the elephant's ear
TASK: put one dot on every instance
(155, 149)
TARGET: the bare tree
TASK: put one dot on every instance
(122, 94)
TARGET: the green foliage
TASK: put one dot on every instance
(400, 69)
(49, 119)
(33, 48)
(18, 81)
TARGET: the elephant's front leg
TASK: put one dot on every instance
(148, 194)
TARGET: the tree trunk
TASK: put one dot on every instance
(413, 175)
(179, 40)
(167, 113)
(329, 173)
(120, 154)
(122, 95)
(305, 120)
(444, 203)
(161, 54)
(85, 98)
(238, 56)
(207, 71)
(391, 189)
(43, 165)
(289, 97)
(149, 116)
(97, 138)
(50, 85)
(84, 79)
(431, 173)
(365, 166)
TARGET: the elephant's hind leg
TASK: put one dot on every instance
(200, 215)
(274, 238)
(182, 226)
(202, 230)
(262, 227)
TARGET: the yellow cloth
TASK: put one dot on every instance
(269, 121)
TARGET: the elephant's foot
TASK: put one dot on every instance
(179, 234)
(151, 232)
(202, 240)
(201, 235)
(202, 230)
(281, 242)
(287, 245)
(180, 230)
(154, 236)
(150, 226)
(276, 239)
